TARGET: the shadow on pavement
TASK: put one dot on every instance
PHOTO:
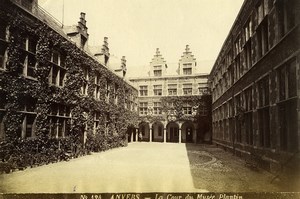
(216, 170)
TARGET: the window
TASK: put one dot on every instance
(187, 109)
(116, 94)
(187, 89)
(248, 99)
(248, 57)
(157, 90)
(58, 71)
(157, 71)
(263, 92)
(172, 89)
(287, 15)
(84, 88)
(264, 127)
(261, 10)
(287, 113)
(97, 87)
(143, 90)
(60, 120)
(96, 121)
(28, 109)
(157, 108)
(287, 77)
(107, 94)
(248, 30)
(28, 58)
(187, 69)
(237, 46)
(126, 100)
(143, 108)
(262, 38)
(237, 68)
(203, 91)
(202, 110)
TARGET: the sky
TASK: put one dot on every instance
(135, 28)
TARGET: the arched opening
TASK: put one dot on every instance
(131, 133)
(144, 129)
(187, 131)
(157, 132)
(173, 132)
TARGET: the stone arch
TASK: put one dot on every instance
(172, 132)
(188, 132)
(144, 129)
(131, 131)
(157, 132)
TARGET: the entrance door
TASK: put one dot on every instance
(189, 134)
(174, 134)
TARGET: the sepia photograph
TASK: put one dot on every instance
(149, 99)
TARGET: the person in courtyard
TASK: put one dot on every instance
(140, 137)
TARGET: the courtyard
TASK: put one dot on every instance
(144, 167)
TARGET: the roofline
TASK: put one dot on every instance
(170, 77)
(226, 39)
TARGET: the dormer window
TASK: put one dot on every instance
(157, 71)
(187, 69)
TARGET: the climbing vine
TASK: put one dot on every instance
(15, 87)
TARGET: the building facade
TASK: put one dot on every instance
(53, 86)
(255, 85)
(173, 108)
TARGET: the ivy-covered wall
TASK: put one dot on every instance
(14, 86)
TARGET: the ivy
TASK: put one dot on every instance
(15, 87)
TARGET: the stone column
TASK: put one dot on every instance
(131, 136)
(165, 134)
(179, 131)
(150, 132)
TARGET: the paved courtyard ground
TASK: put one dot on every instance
(143, 167)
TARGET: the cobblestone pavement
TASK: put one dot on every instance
(214, 169)
(143, 167)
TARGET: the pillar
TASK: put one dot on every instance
(179, 130)
(136, 135)
(165, 133)
(131, 136)
(150, 132)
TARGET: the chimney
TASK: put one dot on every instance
(82, 19)
(187, 49)
(105, 51)
(123, 65)
(157, 52)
